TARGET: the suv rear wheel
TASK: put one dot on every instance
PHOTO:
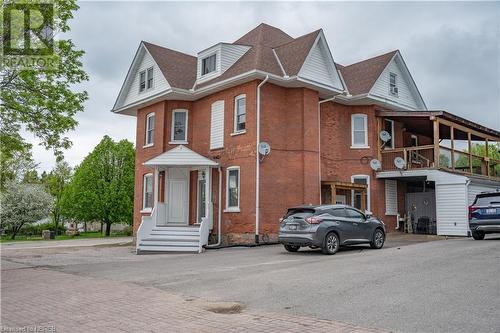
(478, 235)
(292, 248)
(332, 243)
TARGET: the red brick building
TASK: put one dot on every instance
(201, 178)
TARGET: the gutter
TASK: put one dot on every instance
(257, 163)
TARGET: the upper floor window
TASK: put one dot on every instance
(208, 64)
(179, 126)
(146, 79)
(150, 129)
(239, 113)
(147, 199)
(393, 84)
(233, 189)
(359, 131)
(389, 128)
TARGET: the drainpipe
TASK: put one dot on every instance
(219, 214)
(319, 141)
(257, 163)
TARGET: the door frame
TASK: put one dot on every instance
(168, 178)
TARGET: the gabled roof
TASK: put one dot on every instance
(264, 34)
(293, 54)
(178, 68)
(180, 156)
(361, 76)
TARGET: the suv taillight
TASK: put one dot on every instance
(313, 220)
(472, 209)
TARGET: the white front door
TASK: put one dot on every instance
(177, 196)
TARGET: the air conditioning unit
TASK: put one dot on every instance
(394, 90)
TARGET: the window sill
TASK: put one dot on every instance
(232, 210)
(177, 142)
(238, 133)
(148, 145)
(360, 147)
(146, 211)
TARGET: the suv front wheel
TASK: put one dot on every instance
(478, 235)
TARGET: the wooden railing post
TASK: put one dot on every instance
(452, 136)
(334, 194)
(470, 151)
(487, 157)
(435, 126)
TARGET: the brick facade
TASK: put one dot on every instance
(290, 175)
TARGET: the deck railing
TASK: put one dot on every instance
(423, 157)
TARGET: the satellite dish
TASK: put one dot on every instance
(264, 148)
(375, 164)
(385, 136)
(399, 163)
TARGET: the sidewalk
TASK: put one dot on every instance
(60, 302)
(65, 243)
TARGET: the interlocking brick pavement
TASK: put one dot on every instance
(48, 300)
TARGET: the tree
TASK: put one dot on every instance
(15, 160)
(23, 204)
(479, 149)
(102, 188)
(41, 99)
(56, 181)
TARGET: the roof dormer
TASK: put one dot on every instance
(215, 60)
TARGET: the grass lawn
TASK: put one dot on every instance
(88, 234)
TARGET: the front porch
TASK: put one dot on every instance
(174, 225)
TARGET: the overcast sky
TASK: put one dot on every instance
(452, 49)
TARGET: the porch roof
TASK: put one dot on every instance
(180, 156)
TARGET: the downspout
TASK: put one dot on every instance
(219, 214)
(257, 162)
(319, 141)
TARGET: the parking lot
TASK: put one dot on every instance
(414, 284)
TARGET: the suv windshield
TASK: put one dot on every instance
(488, 200)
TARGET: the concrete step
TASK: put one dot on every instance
(160, 248)
(176, 233)
(176, 228)
(162, 242)
(168, 237)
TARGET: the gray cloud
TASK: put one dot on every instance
(452, 49)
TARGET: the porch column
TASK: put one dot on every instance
(208, 195)
(156, 186)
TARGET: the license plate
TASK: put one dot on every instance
(293, 227)
(491, 211)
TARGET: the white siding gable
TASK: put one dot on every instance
(319, 66)
(130, 90)
(407, 95)
(217, 125)
(391, 197)
(230, 54)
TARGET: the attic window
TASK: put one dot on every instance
(146, 79)
(392, 84)
(208, 64)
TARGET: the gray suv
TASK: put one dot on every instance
(328, 227)
(484, 215)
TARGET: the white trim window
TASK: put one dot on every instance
(389, 127)
(393, 88)
(150, 129)
(233, 189)
(146, 79)
(356, 196)
(240, 113)
(359, 131)
(147, 192)
(179, 126)
(209, 64)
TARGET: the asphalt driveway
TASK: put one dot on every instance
(448, 285)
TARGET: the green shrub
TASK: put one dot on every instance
(36, 230)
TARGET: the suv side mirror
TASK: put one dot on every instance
(368, 215)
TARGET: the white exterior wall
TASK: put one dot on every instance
(132, 90)
(230, 54)
(405, 95)
(476, 188)
(451, 209)
(319, 67)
